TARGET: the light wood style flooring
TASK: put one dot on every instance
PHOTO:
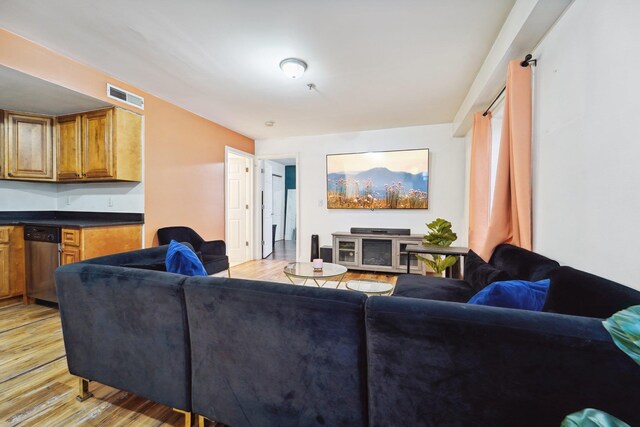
(36, 388)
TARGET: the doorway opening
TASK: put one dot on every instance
(278, 221)
(238, 205)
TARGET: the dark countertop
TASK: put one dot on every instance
(70, 219)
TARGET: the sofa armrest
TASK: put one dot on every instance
(444, 363)
(214, 247)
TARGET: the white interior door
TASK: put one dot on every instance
(278, 205)
(267, 208)
(237, 209)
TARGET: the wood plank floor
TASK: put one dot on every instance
(36, 388)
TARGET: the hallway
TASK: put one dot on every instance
(283, 250)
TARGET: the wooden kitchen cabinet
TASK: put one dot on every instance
(29, 146)
(69, 143)
(97, 142)
(12, 266)
(84, 243)
(101, 145)
(3, 144)
(5, 285)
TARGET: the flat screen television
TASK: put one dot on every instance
(378, 180)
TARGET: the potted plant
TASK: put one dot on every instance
(440, 234)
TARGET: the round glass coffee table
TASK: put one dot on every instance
(370, 286)
(305, 271)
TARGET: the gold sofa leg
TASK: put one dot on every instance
(201, 419)
(187, 417)
(83, 390)
(229, 272)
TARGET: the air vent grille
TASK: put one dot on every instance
(125, 96)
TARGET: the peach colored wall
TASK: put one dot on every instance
(184, 153)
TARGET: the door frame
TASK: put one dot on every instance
(258, 199)
(250, 196)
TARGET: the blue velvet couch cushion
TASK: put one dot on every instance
(435, 288)
(127, 328)
(268, 354)
(479, 274)
(434, 363)
(519, 294)
(583, 294)
(522, 264)
(183, 260)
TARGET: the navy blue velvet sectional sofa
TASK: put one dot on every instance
(252, 353)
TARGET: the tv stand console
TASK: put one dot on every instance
(376, 251)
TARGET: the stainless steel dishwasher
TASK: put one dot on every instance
(42, 253)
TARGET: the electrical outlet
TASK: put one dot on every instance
(110, 202)
(68, 200)
(320, 203)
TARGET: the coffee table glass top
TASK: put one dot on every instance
(370, 286)
(305, 269)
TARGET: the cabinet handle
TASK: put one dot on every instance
(10, 174)
(84, 174)
(77, 175)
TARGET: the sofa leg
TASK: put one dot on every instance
(229, 273)
(201, 420)
(188, 419)
(83, 390)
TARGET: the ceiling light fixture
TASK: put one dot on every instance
(269, 123)
(293, 67)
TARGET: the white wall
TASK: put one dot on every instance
(89, 197)
(102, 197)
(27, 196)
(446, 180)
(586, 201)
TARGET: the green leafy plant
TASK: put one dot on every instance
(440, 234)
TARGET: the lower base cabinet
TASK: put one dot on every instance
(84, 243)
(12, 269)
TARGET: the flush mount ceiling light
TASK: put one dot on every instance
(293, 67)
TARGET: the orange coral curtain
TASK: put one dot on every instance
(510, 218)
(480, 182)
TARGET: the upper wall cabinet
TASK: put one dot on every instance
(97, 137)
(69, 137)
(29, 146)
(102, 145)
(3, 144)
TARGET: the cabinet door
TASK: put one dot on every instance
(69, 136)
(346, 252)
(30, 147)
(5, 286)
(3, 143)
(70, 255)
(97, 128)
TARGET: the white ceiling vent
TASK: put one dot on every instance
(125, 96)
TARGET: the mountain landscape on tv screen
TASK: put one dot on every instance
(377, 188)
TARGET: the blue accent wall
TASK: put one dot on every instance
(289, 178)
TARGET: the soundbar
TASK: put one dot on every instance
(382, 231)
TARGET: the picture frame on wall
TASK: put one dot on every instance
(378, 180)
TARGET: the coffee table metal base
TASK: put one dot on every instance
(304, 271)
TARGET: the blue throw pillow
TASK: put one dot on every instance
(182, 260)
(514, 294)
